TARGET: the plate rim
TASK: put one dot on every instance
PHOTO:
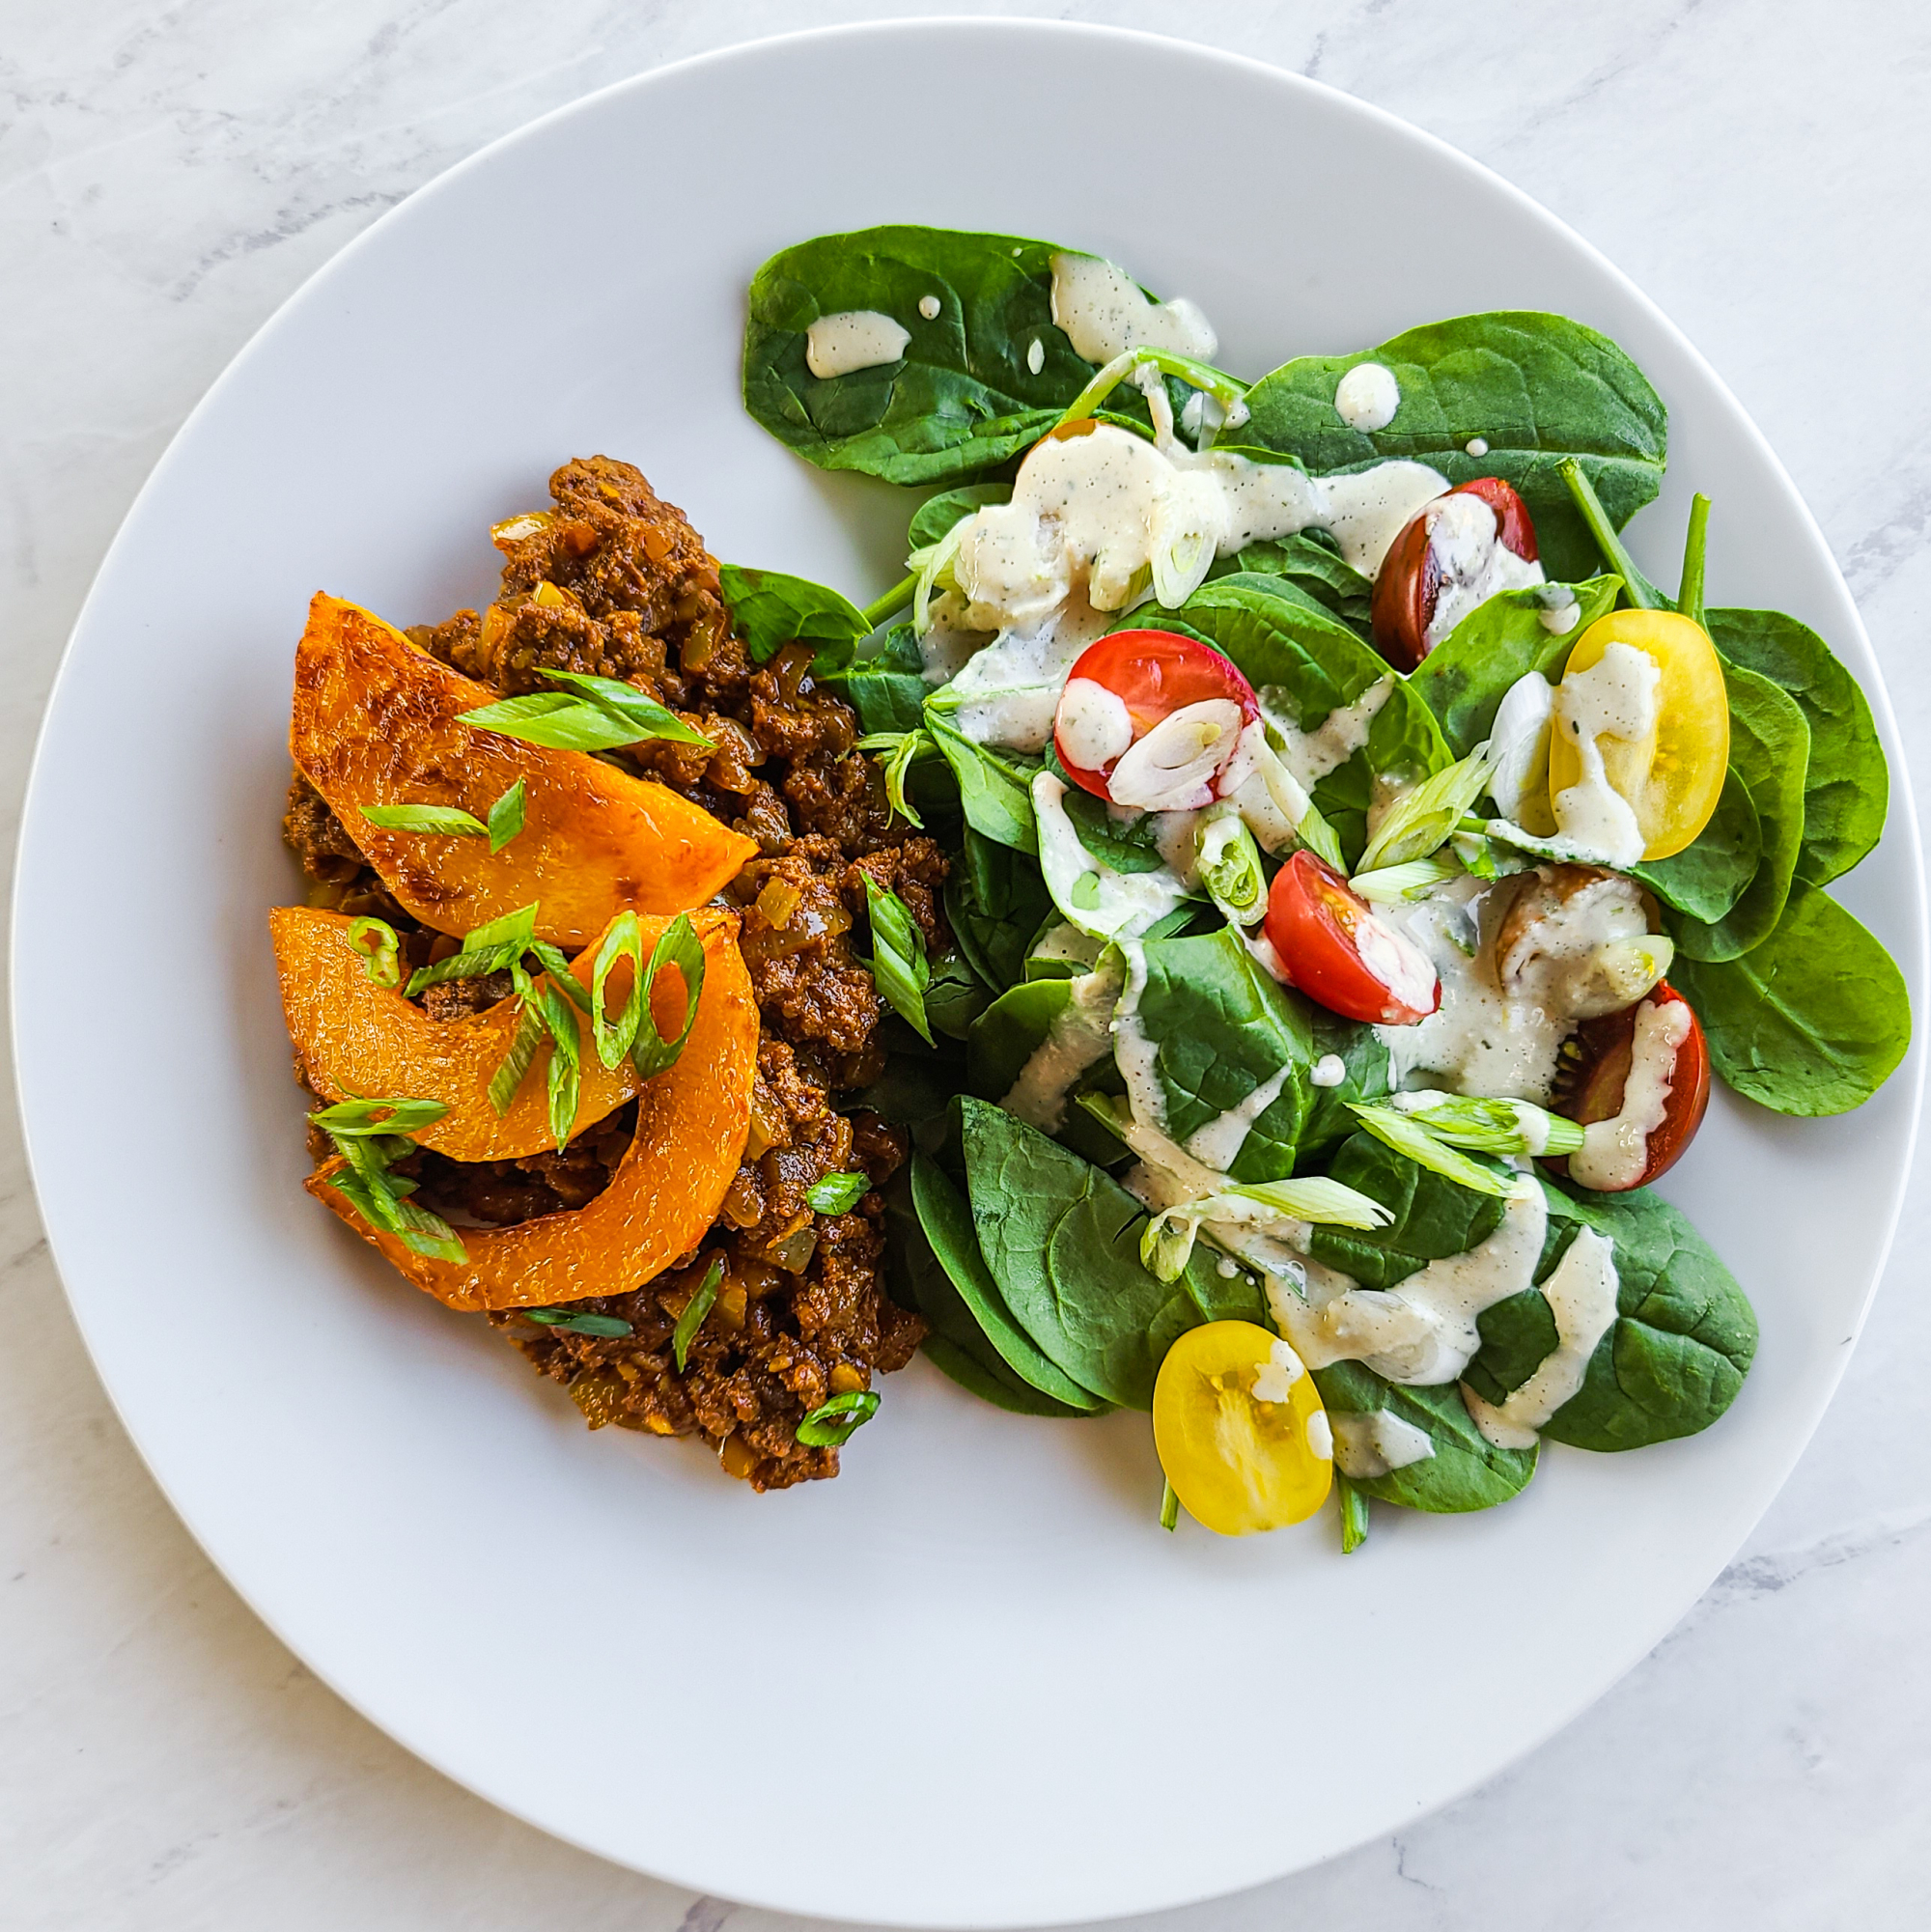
(1901, 824)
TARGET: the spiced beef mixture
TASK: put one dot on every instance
(614, 582)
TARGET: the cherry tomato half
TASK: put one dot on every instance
(1672, 778)
(1409, 584)
(1339, 952)
(1151, 719)
(1241, 1430)
(1594, 1084)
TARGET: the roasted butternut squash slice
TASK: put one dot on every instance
(377, 722)
(356, 1039)
(692, 1122)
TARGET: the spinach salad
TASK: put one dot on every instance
(1358, 870)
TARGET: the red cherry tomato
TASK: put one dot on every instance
(1591, 1088)
(1338, 951)
(1409, 584)
(1143, 677)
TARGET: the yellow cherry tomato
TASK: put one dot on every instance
(1241, 1430)
(1672, 778)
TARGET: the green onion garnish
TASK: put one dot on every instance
(1169, 1506)
(506, 817)
(358, 1117)
(1423, 820)
(376, 940)
(445, 821)
(899, 748)
(833, 1423)
(593, 715)
(899, 966)
(578, 1324)
(835, 1194)
(679, 946)
(1406, 1134)
(695, 1311)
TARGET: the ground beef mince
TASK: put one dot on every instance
(613, 581)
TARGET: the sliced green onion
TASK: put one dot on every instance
(578, 1324)
(513, 929)
(381, 957)
(564, 722)
(379, 1197)
(1426, 817)
(1388, 884)
(900, 969)
(900, 749)
(530, 1034)
(1353, 1514)
(491, 948)
(1225, 391)
(615, 1037)
(1406, 1134)
(837, 1194)
(506, 817)
(426, 1233)
(566, 1074)
(379, 1117)
(626, 702)
(695, 1311)
(1315, 1197)
(1167, 1241)
(1492, 1126)
(833, 1423)
(679, 946)
(1229, 864)
(1169, 1506)
(932, 569)
(552, 961)
(447, 821)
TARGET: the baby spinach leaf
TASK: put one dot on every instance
(995, 902)
(881, 677)
(963, 398)
(994, 787)
(1847, 784)
(1536, 388)
(1222, 1028)
(1770, 748)
(1129, 846)
(1709, 876)
(769, 609)
(1812, 1022)
(955, 995)
(1678, 1350)
(1305, 665)
(1313, 565)
(1010, 1031)
(1465, 678)
(1062, 1241)
(936, 515)
(1465, 1473)
(947, 1221)
(1433, 1217)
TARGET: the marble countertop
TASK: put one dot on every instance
(167, 176)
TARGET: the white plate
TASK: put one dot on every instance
(969, 1682)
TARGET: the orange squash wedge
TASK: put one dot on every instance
(692, 1123)
(378, 722)
(356, 1039)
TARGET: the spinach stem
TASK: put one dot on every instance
(1353, 1515)
(1170, 1507)
(1689, 599)
(1640, 592)
(896, 599)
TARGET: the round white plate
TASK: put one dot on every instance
(969, 1682)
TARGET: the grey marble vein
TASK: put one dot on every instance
(169, 174)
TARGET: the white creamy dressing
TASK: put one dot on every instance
(1106, 904)
(1329, 1071)
(1560, 611)
(928, 307)
(1518, 752)
(1615, 697)
(949, 643)
(1218, 1143)
(1375, 1444)
(1367, 397)
(1070, 945)
(1092, 724)
(1007, 691)
(1422, 1331)
(1475, 563)
(854, 339)
(1320, 1436)
(1137, 1059)
(1477, 446)
(1614, 1152)
(1582, 952)
(1581, 1296)
(1079, 1037)
(1104, 313)
(1310, 755)
(1275, 1377)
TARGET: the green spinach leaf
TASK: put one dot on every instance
(1847, 784)
(1062, 1241)
(1770, 749)
(936, 515)
(1707, 878)
(1465, 1473)
(1313, 565)
(1812, 1022)
(1678, 1350)
(965, 395)
(881, 676)
(995, 902)
(769, 609)
(1536, 389)
(1433, 1217)
(994, 787)
(1465, 678)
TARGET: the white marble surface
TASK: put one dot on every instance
(168, 174)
